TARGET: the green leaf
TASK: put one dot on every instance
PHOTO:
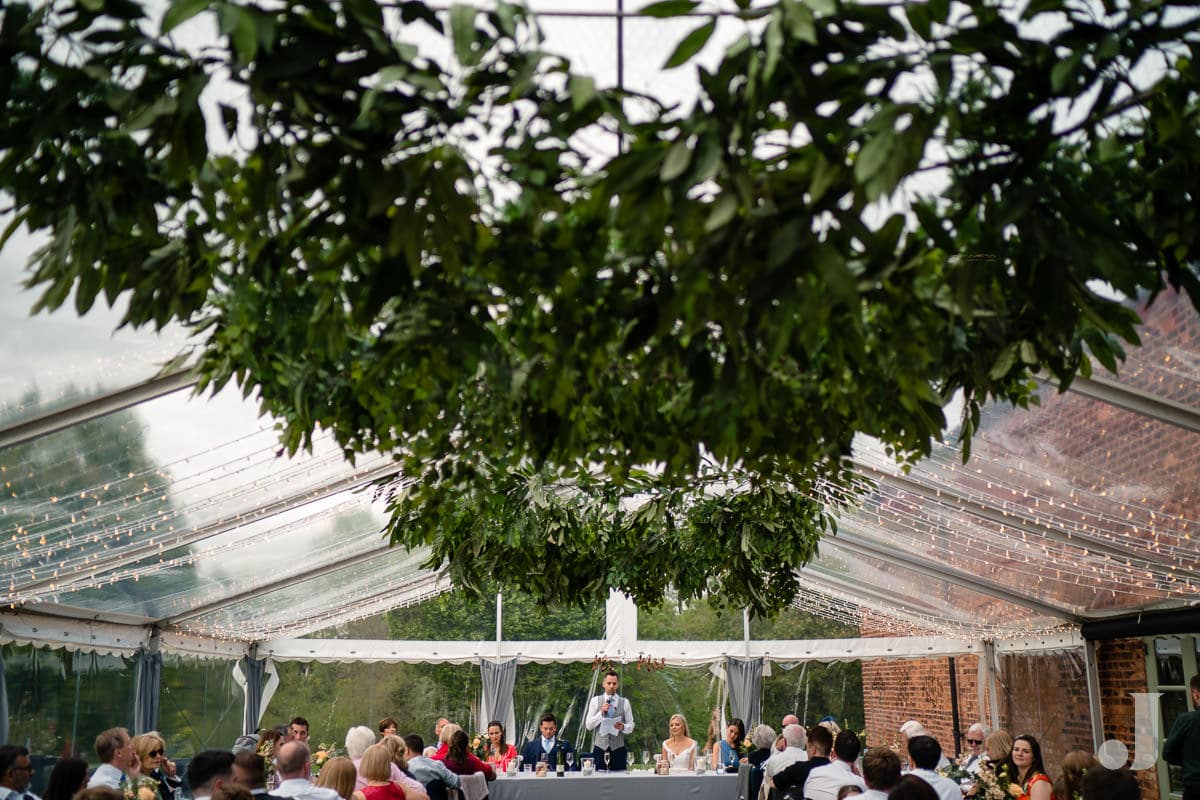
(691, 44)
(582, 89)
(669, 8)
(873, 156)
(1062, 74)
(939, 11)
(462, 32)
(677, 160)
(180, 12)
(1004, 362)
(723, 212)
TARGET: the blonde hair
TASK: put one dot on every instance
(340, 775)
(448, 730)
(376, 764)
(998, 745)
(682, 719)
(143, 743)
(395, 746)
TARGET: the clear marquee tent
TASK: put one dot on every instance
(142, 521)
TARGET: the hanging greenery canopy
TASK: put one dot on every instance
(588, 367)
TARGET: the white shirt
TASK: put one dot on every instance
(946, 789)
(13, 794)
(106, 775)
(623, 713)
(304, 790)
(823, 782)
(784, 758)
(973, 763)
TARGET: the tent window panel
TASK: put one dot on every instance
(690, 623)
(200, 705)
(812, 690)
(1045, 695)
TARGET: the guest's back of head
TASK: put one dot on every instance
(762, 736)
(849, 790)
(847, 747)
(99, 793)
(998, 745)
(250, 770)
(340, 775)
(1109, 784)
(415, 743)
(820, 741)
(376, 764)
(205, 767)
(358, 739)
(881, 768)
(910, 787)
(232, 792)
(292, 759)
(924, 751)
(68, 777)
(794, 735)
(1075, 765)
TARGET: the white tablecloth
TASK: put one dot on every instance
(618, 786)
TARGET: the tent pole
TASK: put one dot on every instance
(1093, 691)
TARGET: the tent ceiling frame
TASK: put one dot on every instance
(144, 549)
(280, 583)
(1137, 401)
(109, 403)
(858, 545)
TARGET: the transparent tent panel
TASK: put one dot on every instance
(1166, 365)
(140, 483)
(59, 358)
(281, 548)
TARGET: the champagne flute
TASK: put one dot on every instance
(570, 759)
(607, 758)
(646, 757)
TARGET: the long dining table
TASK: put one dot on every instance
(614, 786)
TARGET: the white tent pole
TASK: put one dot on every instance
(1093, 690)
(746, 630)
(499, 623)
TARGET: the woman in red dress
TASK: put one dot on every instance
(499, 752)
(1027, 771)
(460, 762)
(376, 769)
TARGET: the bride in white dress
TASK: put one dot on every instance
(680, 749)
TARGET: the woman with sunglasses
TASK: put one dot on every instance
(151, 749)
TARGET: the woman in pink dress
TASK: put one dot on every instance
(498, 751)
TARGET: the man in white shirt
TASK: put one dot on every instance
(16, 770)
(116, 758)
(610, 716)
(824, 782)
(924, 752)
(291, 763)
(795, 739)
(880, 771)
(208, 772)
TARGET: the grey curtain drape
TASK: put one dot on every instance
(744, 678)
(254, 670)
(3, 703)
(146, 689)
(498, 679)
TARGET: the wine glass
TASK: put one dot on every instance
(646, 757)
(570, 759)
(607, 758)
(520, 761)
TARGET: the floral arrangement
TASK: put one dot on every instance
(955, 772)
(746, 748)
(142, 788)
(479, 746)
(321, 754)
(995, 784)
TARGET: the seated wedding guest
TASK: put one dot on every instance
(913, 728)
(823, 782)
(151, 749)
(1075, 765)
(448, 730)
(16, 772)
(727, 753)
(66, 779)
(340, 775)
(443, 738)
(358, 740)
(425, 769)
(292, 765)
(98, 793)
(790, 781)
(209, 771)
(497, 751)
(795, 740)
(1027, 771)
(679, 749)
(763, 739)
(232, 792)
(997, 745)
(880, 772)
(461, 762)
(924, 752)
(413, 788)
(375, 768)
(1110, 784)
(117, 759)
(547, 746)
(387, 726)
(973, 759)
(910, 787)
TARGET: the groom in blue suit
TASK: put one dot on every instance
(548, 744)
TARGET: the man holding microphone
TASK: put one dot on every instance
(610, 716)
